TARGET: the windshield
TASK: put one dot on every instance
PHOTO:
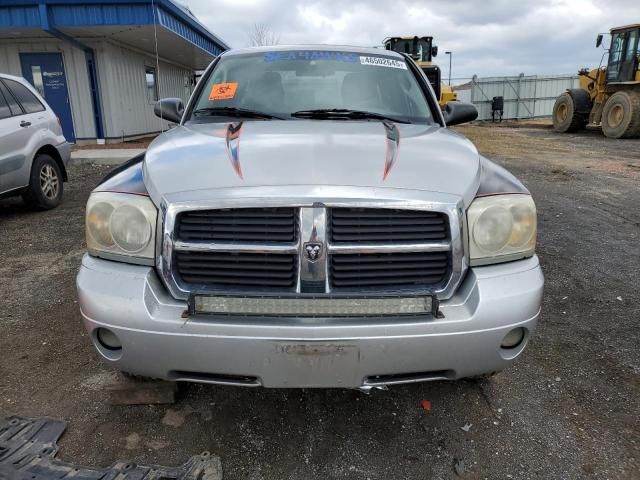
(282, 83)
(417, 47)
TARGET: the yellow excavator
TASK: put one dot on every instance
(422, 51)
(608, 96)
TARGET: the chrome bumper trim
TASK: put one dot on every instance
(391, 248)
(180, 246)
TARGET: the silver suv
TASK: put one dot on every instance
(33, 150)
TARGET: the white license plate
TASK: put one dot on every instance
(314, 364)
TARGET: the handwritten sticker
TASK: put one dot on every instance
(383, 62)
(223, 91)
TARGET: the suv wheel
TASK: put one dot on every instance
(45, 185)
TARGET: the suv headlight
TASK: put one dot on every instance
(121, 226)
(501, 228)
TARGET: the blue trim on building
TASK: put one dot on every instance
(180, 28)
(91, 13)
(90, 56)
(45, 24)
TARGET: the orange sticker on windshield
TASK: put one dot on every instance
(223, 91)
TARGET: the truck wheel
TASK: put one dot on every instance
(621, 115)
(45, 185)
(566, 115)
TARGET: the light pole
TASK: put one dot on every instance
(450, 57)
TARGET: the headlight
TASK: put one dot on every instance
(501, 228)
(121, 226)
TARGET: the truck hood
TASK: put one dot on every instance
(206, 156)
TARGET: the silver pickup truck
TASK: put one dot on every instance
(311, 222)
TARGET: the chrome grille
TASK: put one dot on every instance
(362, 248)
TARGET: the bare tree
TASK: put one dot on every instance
(261, 35)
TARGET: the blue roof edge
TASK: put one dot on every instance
(170, 6)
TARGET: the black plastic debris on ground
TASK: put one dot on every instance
(28, 447)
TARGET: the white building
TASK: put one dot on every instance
(95, 62)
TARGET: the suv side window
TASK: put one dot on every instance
(27, 99)
(5, 112)
(14, 107)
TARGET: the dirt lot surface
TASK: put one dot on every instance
(568, 409)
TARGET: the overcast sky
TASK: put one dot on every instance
(487, 37)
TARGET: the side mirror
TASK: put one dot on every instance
(599, 40)
(434, 51)
(170, 109)
(459, 112)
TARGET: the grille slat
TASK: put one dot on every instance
(413, 272)
(409, 281)
(234, 228)
(390, 270)
(233, 281)
(237, 258)
(397, 229)
(366, 225)
(221, 269)
(214, 267)
(390, 258)
(382, 212)
(233, 237)
(378, 267)
(390, 237)
(264, 225)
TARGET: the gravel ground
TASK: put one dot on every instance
(568, 409)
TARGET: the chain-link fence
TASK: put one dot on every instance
(524, 96)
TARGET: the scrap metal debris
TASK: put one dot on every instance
(466, 427)
(28, 447)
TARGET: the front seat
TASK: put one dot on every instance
(267, 93)
(360, 91)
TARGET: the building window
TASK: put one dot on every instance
(36, 73)
(151, 79)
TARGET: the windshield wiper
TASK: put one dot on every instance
(333, 113)
(234, 112)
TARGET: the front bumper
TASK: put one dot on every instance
(64, 150)
(159, 340)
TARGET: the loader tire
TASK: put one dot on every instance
(569, 111)
(621, 115)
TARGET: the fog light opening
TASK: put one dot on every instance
(513, 339)
(108, 339)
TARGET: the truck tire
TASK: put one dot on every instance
(571, 111)
(621, 115)
(45, 185)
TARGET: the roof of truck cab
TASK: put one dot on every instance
(625, 27)
(313, 47)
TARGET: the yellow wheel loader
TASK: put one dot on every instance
(608, 96)
(422, 51)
